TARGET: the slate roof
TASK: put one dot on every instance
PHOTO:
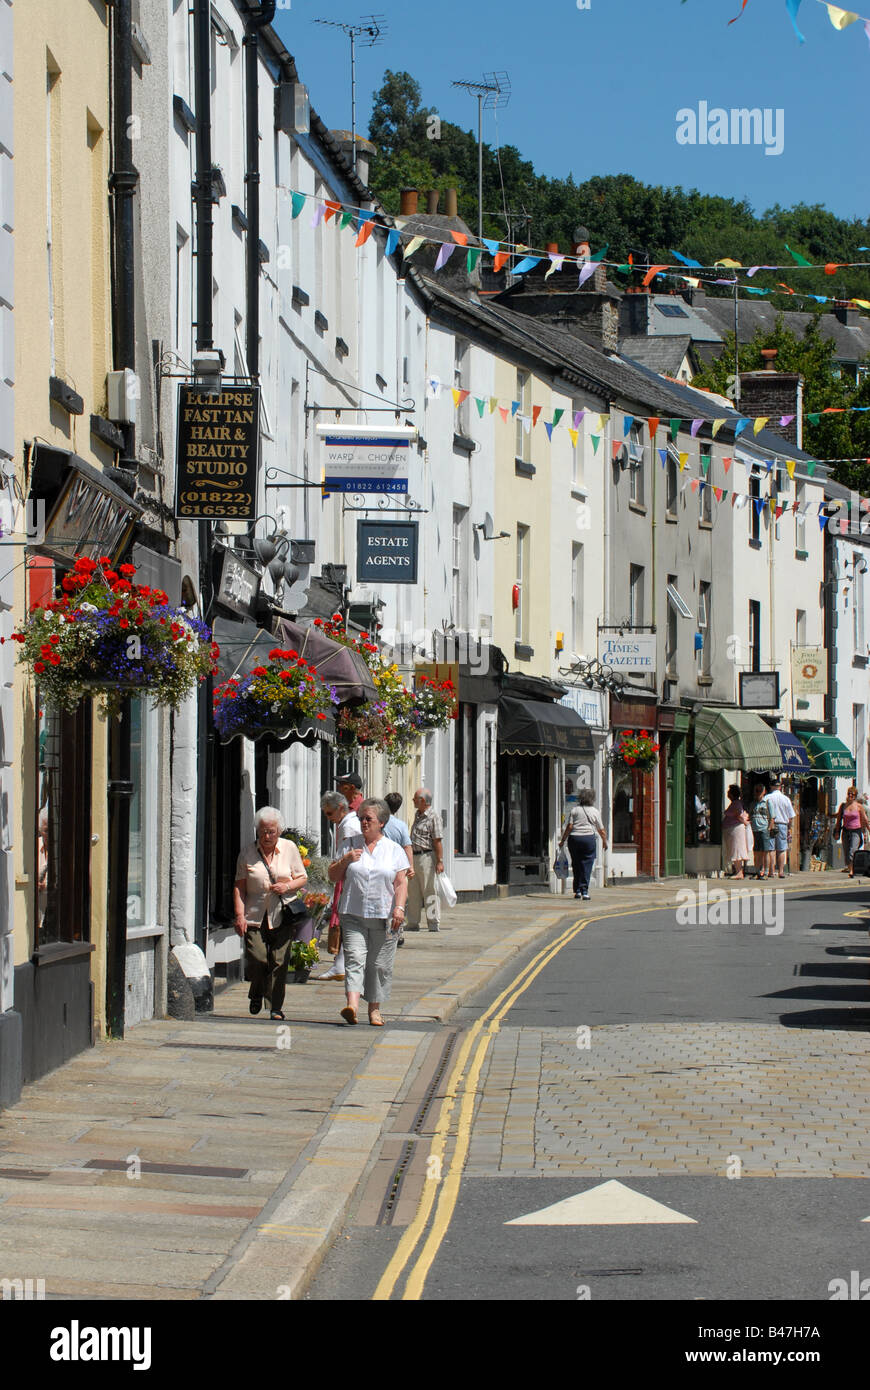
(660, 354)
(671, 316)
(852, 344)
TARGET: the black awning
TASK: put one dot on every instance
(543, 728)
(243, 646)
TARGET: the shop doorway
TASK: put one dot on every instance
(674, 807)
(524, 819)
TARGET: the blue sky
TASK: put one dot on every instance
(597, 91)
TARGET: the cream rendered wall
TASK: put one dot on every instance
(71, 41)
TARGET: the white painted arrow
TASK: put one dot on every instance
(609, 1204)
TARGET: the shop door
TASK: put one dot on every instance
(675, 806)
(523, 818)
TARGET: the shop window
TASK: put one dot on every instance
(623, 809)
(488, 759)
(226, 837)
(63, 825)
(704, 793)
(142, 861)
(465, 781)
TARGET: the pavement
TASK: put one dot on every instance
(218, 1159)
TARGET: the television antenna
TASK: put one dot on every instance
(368, 31)
(492, 92)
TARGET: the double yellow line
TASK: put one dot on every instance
(466, 1082)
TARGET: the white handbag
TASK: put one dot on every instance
(445, 890)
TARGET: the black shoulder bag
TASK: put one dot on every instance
(292, 908)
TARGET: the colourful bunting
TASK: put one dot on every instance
(663, 455)
(759, 423)
(575, 435)
(588, 269)
(536, 410)
(461, 238)
(555, 264)
(740, 427)
(840, 18)
(652, 273)
(694, 482)
(332, 208)
(365, 232)
(392, 241)
(793, 6)
(797, 257)
(481, 405)
(596, 440)
(473, 256)
(684, 459)
(652, 425)
(695, 426)
(493, 402)
(627, 423)
(515, 405)
(549, 428)
(414, 245)
(526, 264)
(499, 261)
(675, 429)
(705, 464)
(297, 203)
(717, 425)
(444, 254)
(557, 415)
(726, 464)
(578, 416)
(503, 412)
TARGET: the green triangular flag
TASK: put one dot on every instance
(675, 429)
(797, 257)
(599, 254)
(814, 418)
(480, 402)
(596, 440)
(346, 219)
(705, 463)
(811, 468)
(472, 258)
(557, 415)
(298, 203)
(624, 269)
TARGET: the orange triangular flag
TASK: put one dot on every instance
(536, 410)
(694, 484)
(653, 423)
(503, 412)
(726, 464)
(461, 238)
(652, 272)
(331, 209)
(499, 260)
(365, 233)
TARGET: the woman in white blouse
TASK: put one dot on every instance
(372, 911)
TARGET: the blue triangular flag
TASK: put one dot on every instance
(549, 428)
(515, 405)
(492, 246)
(392, 241)
(527, 263)
(629, 421)
(663, 455)
(685, 260)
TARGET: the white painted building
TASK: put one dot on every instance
(10, 1024)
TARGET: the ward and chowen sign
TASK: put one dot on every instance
(366, 459)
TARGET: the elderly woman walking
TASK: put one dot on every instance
(268, 871)
(372, 909)
(737, 839)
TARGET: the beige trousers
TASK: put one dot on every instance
(423, 900)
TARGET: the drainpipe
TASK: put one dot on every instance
(254, 22)
(123, 184)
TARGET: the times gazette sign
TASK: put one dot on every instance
(629, 651)
(386, 552)
(216, 453)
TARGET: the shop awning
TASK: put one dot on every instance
(828, 756)
(734, 738)
(794, 755)
(336, 665)
(243, 646)
(543, 728)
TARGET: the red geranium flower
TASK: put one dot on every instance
(631, 761)
(124, 623)
(126, 569)
(55, 660)
(39, 667)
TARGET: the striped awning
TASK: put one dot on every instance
(794, 754)
(735, 739)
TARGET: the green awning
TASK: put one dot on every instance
(829, 757)
(734, 738)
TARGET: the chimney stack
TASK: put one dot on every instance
(432, 200)
(408, 202)
(451, 204)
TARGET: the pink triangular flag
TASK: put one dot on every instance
(444, 254)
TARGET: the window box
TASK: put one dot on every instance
(523, 652)
(463, 443)
(64, 396)
(523, 469)
(637, 507)
(802, 555)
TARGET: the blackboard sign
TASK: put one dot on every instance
(386, 552)
(216, 453)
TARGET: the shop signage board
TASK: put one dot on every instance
(239, 586)
(88, 519)
(589, 704)
(759, 690)
(386, 552)
(628, 651)
(216, 453)
(809, 671)
(366, 459)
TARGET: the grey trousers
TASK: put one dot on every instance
(369, 954)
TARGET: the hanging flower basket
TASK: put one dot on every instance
(107, 637)
(435, 704)
(392, 722)
(272, 700)
(634, 752)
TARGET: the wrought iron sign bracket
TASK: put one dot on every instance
(381, 507)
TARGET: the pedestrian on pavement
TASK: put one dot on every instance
(372, 908)
(851, 823)
(782, 813)
(350, 786)
(346, 835)
(761, 823)
(736, 833)
(427, 842)
(582, 824)
(398, 831)
(268, 870)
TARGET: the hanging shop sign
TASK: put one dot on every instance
(386, 552)
(759, 690)
(363, 459)
(92, 516)
(239, 586)
(628, 651)
(216, 453)
(809, 671)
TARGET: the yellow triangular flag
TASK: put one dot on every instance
(840, 18)
(759, 423)
(457, 397)
(575, 434)
(413, 245)
(717, 425)
(730, 263)
(602, 421)
(684, 459)
(493, 402)
(789, 463)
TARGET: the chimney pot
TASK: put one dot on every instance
(451, 203)
(769, 355)
(408, 202)
(432, 200)
(554, 247)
